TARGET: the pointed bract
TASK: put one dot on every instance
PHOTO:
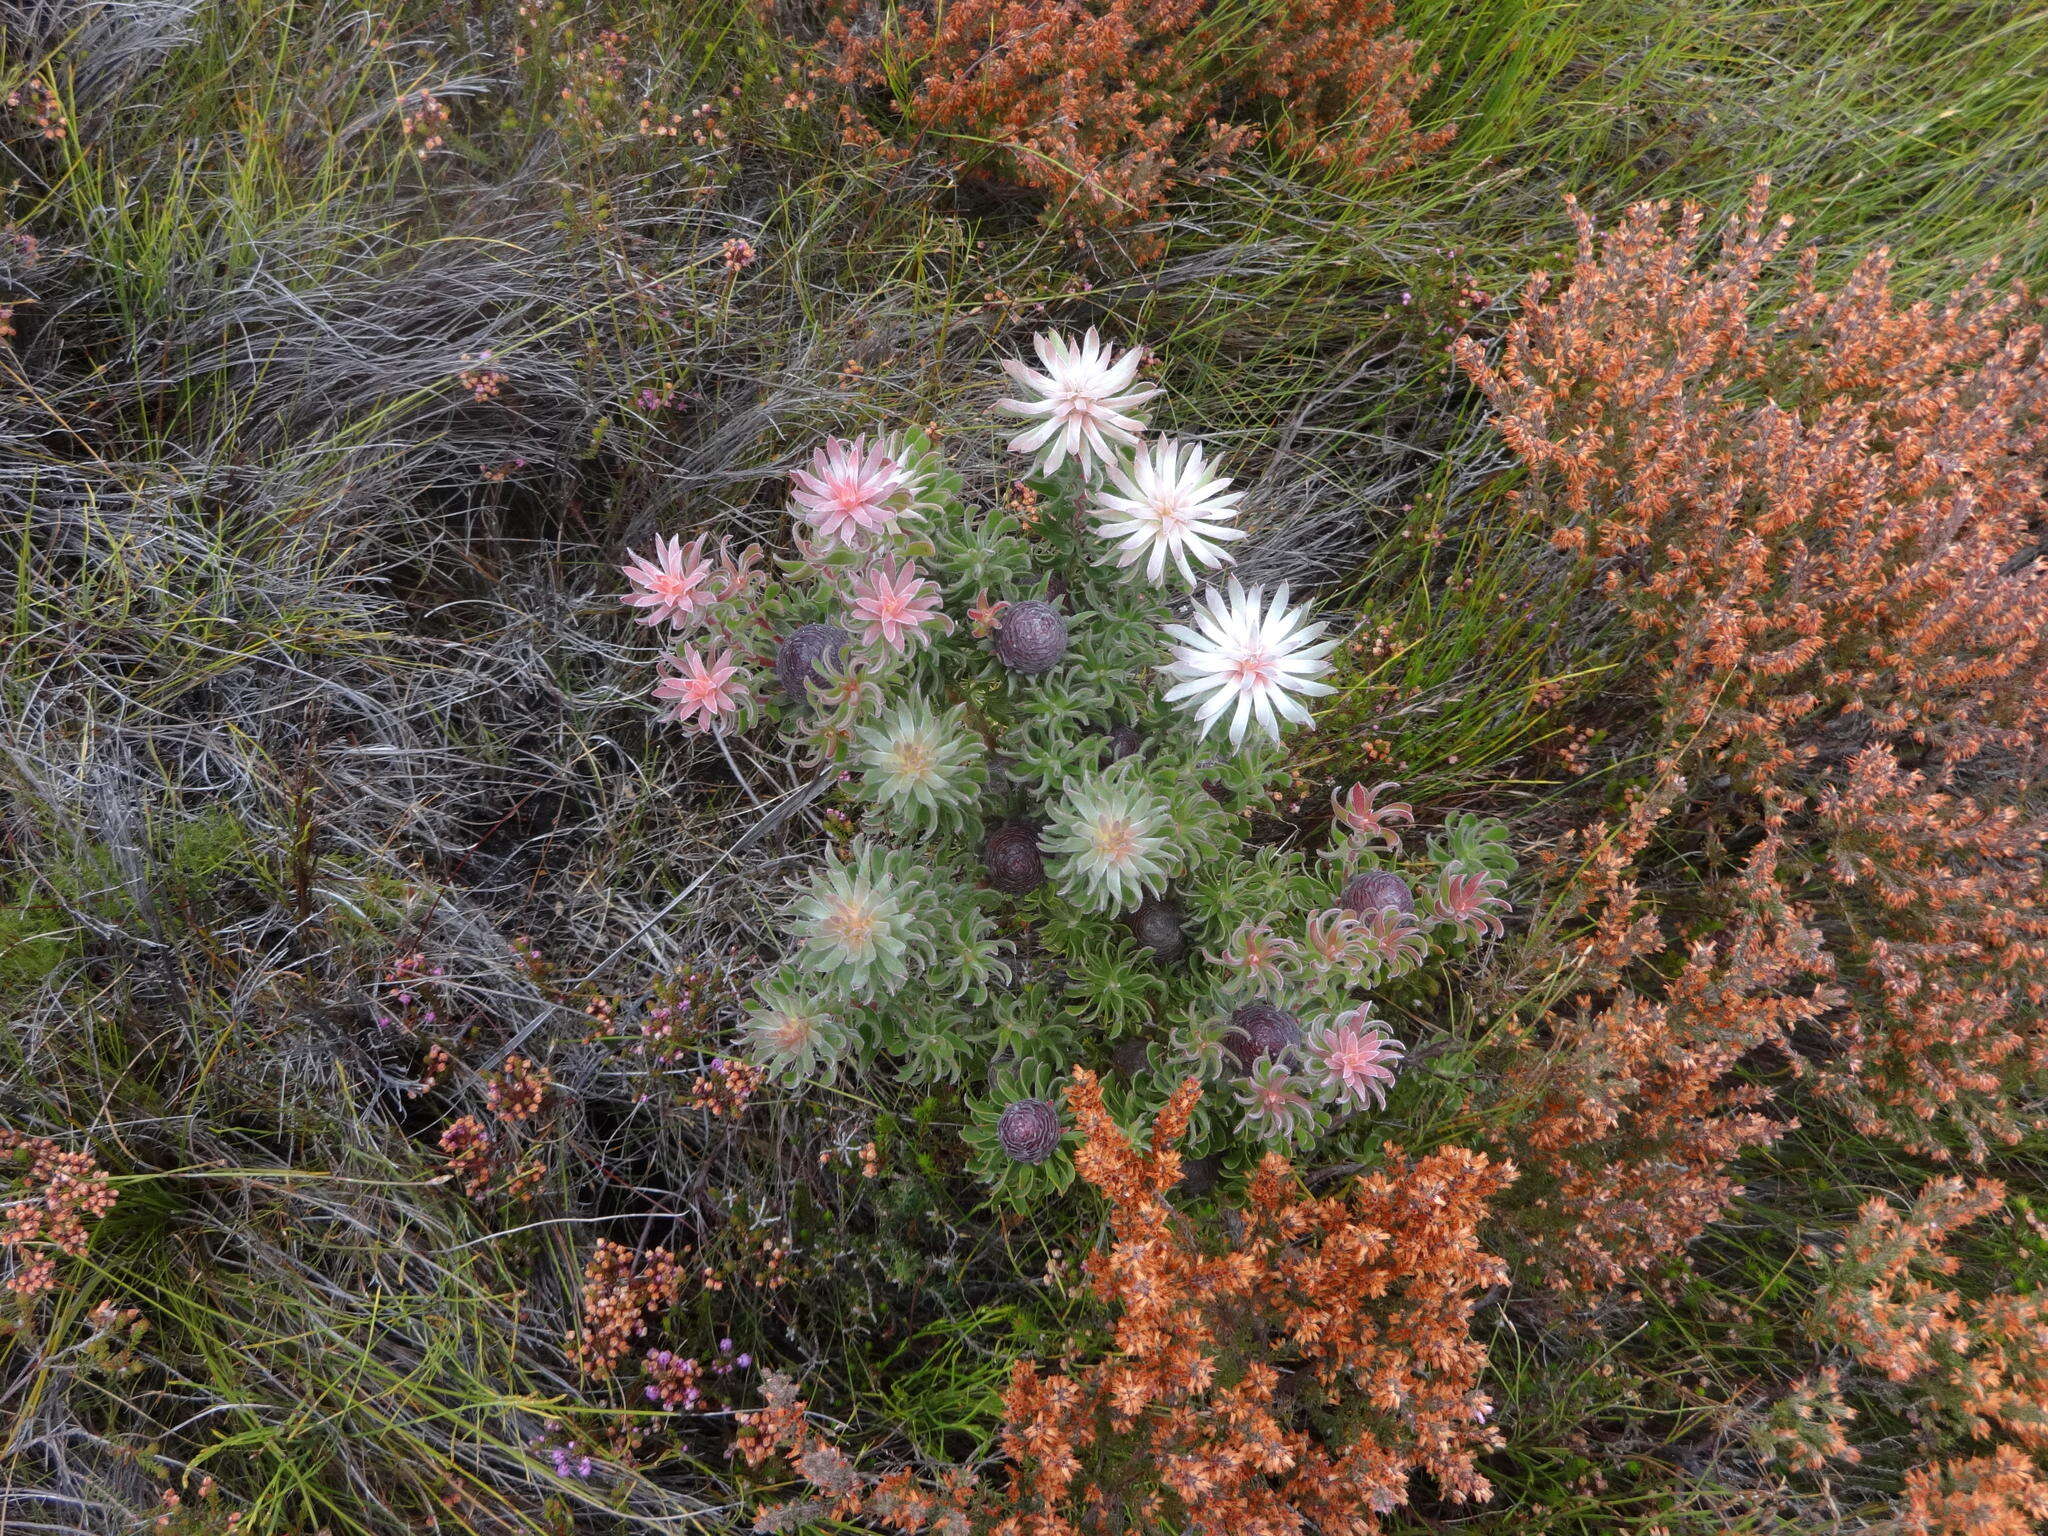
(1352, 1059)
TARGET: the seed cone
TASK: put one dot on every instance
(1258, 1030)
(1031, 637)
(1015, 866)
(1119, 742)
(1156, 926)
(1029, 1130)
(808, 648)
(1375, 891)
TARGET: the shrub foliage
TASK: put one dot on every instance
(1105, 106)
(1821, 515)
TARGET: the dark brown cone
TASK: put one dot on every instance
(1015, 866)
(1031, 637)
(1199, 1175)
(799, 658)
(1258, 1030)
(1156, 926)
(1375, 891)
(1129, 1058)
(1029, 1130)
(1119, 742)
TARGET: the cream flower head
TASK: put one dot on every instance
(1082, 402)
(925, 767)
(1248, 657)
(858, 924)
(1108, 840)
(1167, 504)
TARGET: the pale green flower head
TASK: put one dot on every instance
(796, 1034)
(858, 924)
(923, 768)
(1108, 840)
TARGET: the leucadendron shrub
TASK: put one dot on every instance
(1052, 757)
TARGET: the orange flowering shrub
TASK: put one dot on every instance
(1821, 516)
(1104, 105)
(1804, 1428)
(1984, 1361)
(51, 1200)
(1628, 1121)
(1288, 1382)
(622, 1286)
(2002, 1494)
(895, 1502)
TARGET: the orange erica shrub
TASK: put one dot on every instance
(49, 1200)
(1997, 1495)
(1288, 1382)
(1628, 1121)
(622, 1287)
(1985, 1362)
(1823, 517)
(1103, 105)
(1981, 1362)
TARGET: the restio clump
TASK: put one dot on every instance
(1045, 749)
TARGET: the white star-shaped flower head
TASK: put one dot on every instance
(1248, 657)
(1080, 406)
(1168, 504)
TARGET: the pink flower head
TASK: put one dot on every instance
(983, 612)
(1352, 1059)
(672, 587)
(1355, 809)
(850, 491)
(1391, 939)
(1328, 940)
(1275, 1107)
(738, 576)
(1467, 903)
(704, 691)
(892, 604)
(1262, 956)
